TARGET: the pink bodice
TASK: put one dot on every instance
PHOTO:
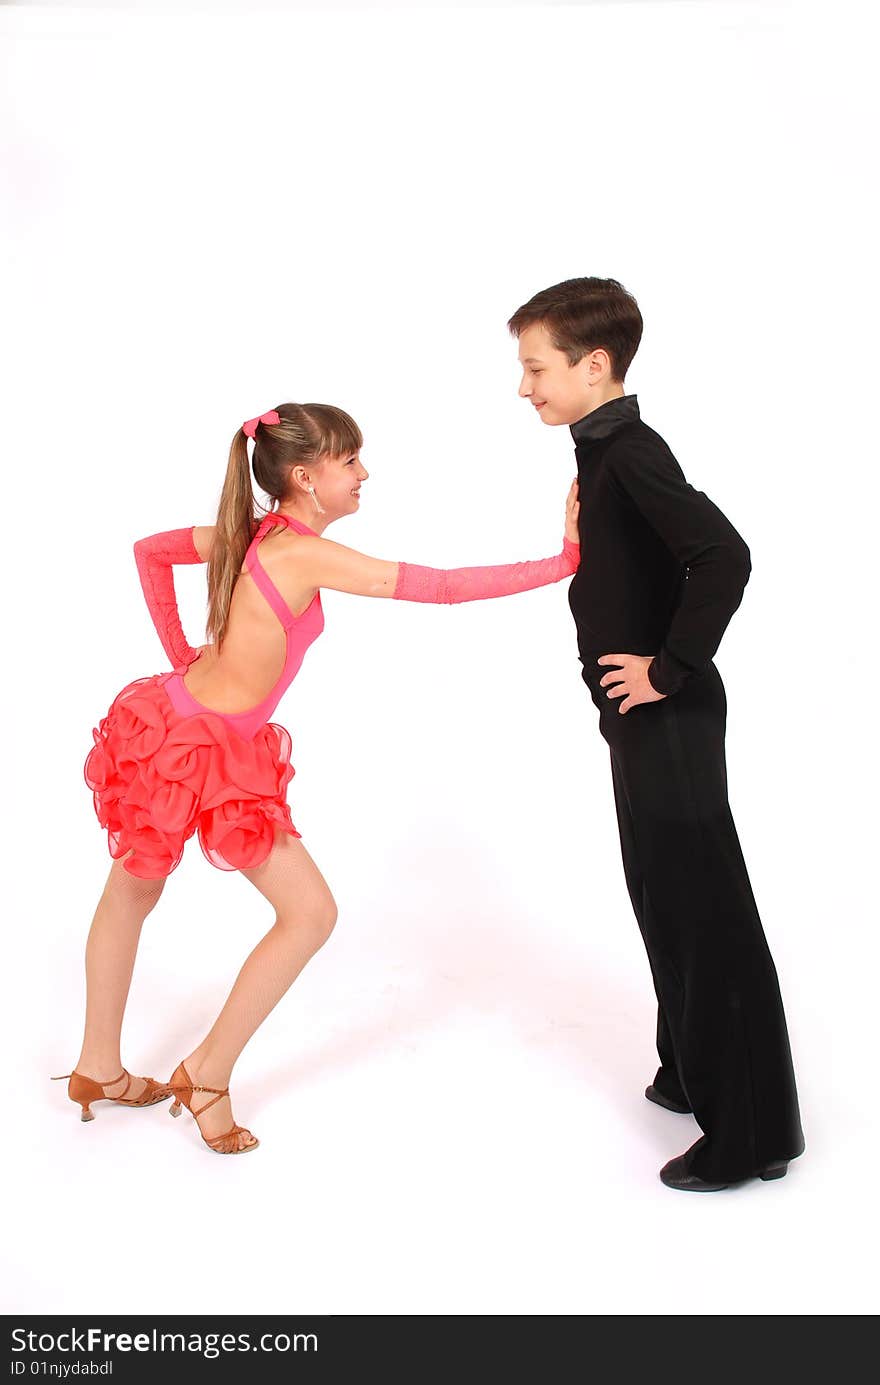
(300, 631)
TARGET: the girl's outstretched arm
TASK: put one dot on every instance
(328, 564)
(415, 583)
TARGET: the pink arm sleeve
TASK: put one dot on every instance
(154, 557)
(477, 583)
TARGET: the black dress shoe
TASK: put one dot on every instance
(675, 1175)
(653, 1095)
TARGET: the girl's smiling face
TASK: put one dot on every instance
(339, 484)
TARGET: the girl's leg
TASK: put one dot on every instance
(305, 913)
(110, 952)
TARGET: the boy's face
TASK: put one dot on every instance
(561, 393)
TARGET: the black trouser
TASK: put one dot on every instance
(721, 1032)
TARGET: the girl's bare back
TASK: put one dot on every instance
(252, 658)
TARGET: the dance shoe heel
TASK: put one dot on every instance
(676, 1175)
(84, 1090)
(666, 1102)
(182, 1086)
(777, 1170)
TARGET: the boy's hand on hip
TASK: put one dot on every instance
(630, 680)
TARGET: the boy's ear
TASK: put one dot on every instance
(597, 361)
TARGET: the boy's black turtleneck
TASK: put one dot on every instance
(662, 570)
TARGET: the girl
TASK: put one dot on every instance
(192, 750)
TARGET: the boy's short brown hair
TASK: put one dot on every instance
(583, 314)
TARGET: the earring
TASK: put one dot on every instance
(318, 506)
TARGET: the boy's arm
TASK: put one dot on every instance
(155, 557)
(700, 536)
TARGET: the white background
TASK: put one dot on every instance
(207, 214)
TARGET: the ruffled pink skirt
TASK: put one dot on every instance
(157, 777)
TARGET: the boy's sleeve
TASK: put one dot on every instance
(701, 537)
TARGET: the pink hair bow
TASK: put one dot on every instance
(250, 427)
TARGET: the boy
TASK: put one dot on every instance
(662, 571)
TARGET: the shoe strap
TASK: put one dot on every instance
(63, 1075)
(192, 1087)
(236, 1130)
(213, 1102)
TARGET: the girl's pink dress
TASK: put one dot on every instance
(163, 766)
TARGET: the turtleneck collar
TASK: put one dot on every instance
(605, 420)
